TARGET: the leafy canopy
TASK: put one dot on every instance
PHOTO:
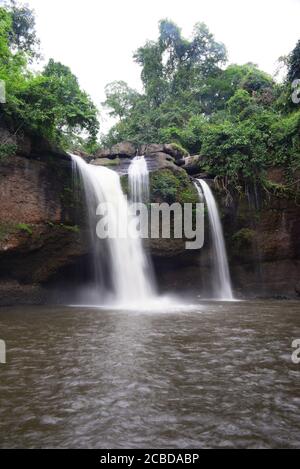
(236, 118)
(50, 103)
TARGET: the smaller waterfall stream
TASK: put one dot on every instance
(221, 274)
(139, 193)
(138, 175)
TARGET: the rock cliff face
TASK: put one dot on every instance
(42, 226)
(262, 236)
(38, 230)
(264, 245)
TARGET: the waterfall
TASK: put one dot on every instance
(221, 275)
(121, 258)
(139, 192)
(138, 175)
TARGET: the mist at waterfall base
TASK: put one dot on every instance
(122, 275)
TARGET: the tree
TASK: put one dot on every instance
(255, 80)
(174, 72)
(239, 102)
(12, 66)
(50, 103)
(294, 64)
(222, 86)
(54, 104)
(120, 99)
(173, 64)
(22, 35)
(232, 117)
(5, 28)
(149, 57)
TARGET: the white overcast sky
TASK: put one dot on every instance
(97, 38)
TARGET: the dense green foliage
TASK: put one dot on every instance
(49, 103)
(22, 35)
(294, 64)
(236, 118)
(169, 187)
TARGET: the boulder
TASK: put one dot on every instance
(120, 165)
(176, 151)
(103, 153)
(85, 156)
(160, 160)
(192, 164)
(106, 162)
(151, 148)
(124, 149)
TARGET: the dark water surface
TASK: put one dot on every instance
(220, 375)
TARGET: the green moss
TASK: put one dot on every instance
(164, 185)
(188, 196)
(180, 149)
(24, 228)
(7, 149)
(172, 187)
(5, 230)
(72, 228)
(187, 193)
(243, 238)
(110, 162)
(279, 190)
(67, 197)
(124, 184)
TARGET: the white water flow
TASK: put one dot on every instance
(139, 192)
(138, 176)
(122, 258)
(221, 274)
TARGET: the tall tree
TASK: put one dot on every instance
(120, 99)
(22, 36)
(173, 64)
(294, 64)
(54, 103)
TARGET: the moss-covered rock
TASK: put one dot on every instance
(106, 162)
(169, 186)
(124, 184)
(243, 238)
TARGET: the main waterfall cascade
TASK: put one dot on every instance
(121, 258)
(221, 274)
